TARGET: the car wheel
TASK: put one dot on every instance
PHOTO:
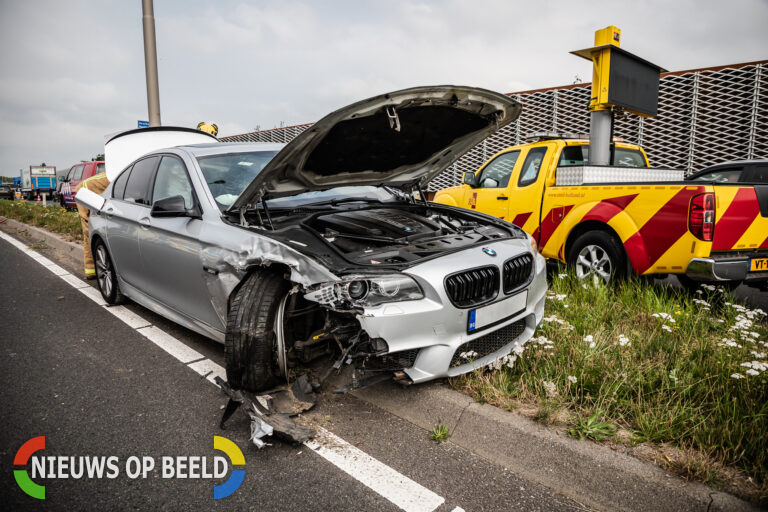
(106, 275)
(254, 332)
(598, 256)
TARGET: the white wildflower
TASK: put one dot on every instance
(752, 372)
(572, 379)
(468, 355)
(666, 328)
(701, 302)
(518, 350)
(624, 341)
(708, 287)
(737, 376)
(665, 317)
(589, 338)
(562, 276)
(759, 355)
(550, 388)
(592, 344)
(728, 342)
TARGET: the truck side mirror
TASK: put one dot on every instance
(470, 179)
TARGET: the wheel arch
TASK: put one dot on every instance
(278, 268)
(590, 226)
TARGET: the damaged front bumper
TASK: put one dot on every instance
(433, 338)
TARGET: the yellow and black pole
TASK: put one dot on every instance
(600, 113)
(620, 80)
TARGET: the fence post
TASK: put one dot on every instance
(755, 106)
(694, 115)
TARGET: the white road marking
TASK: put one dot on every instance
(93, 294)
(210, 369)
(170, 344)
(57, 270)
(128, 317)
(397, 488)
(382, 479)
(73, 281)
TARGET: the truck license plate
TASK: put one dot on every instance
(758, 265)
(497, 312)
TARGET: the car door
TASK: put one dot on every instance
(74, 179)
(491, 196)
(126, 211)
(526, 190)
(171, 250)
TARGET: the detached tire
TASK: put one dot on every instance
(599, 256)
(250, 343)
(106, 276)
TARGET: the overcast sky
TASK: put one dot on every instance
(72, 71)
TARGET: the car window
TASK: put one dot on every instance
(579, 155)
(78, 172)
(137, 187)
(721, 175)
(227, 175)
(496, 174)
(530, 171)
(118, 189)
(756, 174)
(172, 180)
(71, 174)
(99, 168)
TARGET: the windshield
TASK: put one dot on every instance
(335, 194)
(228, 175)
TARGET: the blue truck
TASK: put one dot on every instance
(38, 180)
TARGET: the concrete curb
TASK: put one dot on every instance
(70, 252)
(587, 472)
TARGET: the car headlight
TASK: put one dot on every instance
(534, 245)
(362, 291)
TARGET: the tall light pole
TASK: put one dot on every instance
(150, 62)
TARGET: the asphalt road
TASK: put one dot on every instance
(93, 386)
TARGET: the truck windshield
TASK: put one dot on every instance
(579, 155)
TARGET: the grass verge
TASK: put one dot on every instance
(643, 364)
(53, 218)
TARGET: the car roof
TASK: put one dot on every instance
(220, 148)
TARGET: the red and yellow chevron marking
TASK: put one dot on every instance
(739, 225)
(652, 222)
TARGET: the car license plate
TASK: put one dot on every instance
(758, 265)
(486, 316)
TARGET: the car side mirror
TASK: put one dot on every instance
(470, 179)
(172, 207)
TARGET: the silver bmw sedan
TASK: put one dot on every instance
(325, 247)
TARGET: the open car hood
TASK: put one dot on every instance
(401, 139)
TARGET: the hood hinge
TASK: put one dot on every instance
(394, 119)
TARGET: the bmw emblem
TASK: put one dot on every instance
(489, 251)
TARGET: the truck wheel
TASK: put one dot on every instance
(106, 275)
(598, 256)
(251, 342)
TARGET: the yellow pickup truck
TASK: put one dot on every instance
(608, 222)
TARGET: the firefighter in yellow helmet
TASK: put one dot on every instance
(208, 128)
(97, 184)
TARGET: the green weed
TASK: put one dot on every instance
(440, 433)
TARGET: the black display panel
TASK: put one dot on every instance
(633, 83)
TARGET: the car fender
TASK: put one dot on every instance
(448, 196)
(588, 216)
